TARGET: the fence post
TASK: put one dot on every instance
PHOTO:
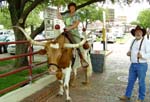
(30, 63)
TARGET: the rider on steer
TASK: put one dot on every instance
(72, 20)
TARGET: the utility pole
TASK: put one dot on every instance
(104, 32)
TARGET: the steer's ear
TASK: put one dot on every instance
(42, 52)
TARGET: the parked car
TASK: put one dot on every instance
(38, 37)
(3, 48)
(118, 32)
(111, 38)
(98, 33)
(12, 47)
(4, 32)
(5, 36)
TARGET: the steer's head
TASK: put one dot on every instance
(54, 52)
(58, 55)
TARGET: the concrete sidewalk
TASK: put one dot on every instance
(107, 86)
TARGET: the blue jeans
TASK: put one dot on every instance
(137, 70)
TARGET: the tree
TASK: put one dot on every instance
(19, 11)
(32, 19)
(143, 18)
(89, 14)
(5, 18)
(134, 23)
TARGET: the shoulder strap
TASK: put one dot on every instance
(148, 36)
(141, 43)
(140, 47)
(132, 44)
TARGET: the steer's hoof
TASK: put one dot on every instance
(59, 95)
(68, 101)
(72, 85)
(85, 83)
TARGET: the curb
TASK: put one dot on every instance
(26, 91)
(106, 53)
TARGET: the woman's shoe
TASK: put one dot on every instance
(84, 64)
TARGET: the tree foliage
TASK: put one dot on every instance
(5, 18)
(90, 13)
(32, 19)
(143, 18)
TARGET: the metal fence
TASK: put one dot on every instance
(28, 67)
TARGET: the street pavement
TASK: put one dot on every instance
(107, 86)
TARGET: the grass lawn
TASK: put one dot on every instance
(18, 77)
(123, 39)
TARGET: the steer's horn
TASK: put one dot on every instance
(78, 44)
(29, 38)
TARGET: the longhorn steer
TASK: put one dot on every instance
(59, 53)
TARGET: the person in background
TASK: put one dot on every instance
(139, 53)
(72, 21)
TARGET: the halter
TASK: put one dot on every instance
(53, 64)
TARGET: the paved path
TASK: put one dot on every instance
(107, 86)
(104, 87)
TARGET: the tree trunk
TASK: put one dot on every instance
(21, 61)
(21, 49)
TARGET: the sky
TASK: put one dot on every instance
(131, 11)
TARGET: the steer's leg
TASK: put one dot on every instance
(73, 78)
(75, 66)
(59, 75)
(67, 73)
(61, 90)
(88, 70)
